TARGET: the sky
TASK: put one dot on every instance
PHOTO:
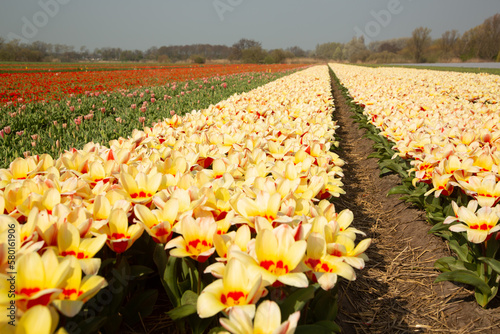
(141, 24)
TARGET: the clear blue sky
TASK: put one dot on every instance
(140, 24)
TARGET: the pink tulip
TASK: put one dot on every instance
(7, 129)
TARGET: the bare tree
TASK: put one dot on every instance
(448, 42)
(420, 40)
(490, 35)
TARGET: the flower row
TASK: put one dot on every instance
(51, 127)
(448, 125)
(247, 179)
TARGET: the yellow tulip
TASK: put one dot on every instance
(120, 236)
(196, 239)
(236, 289)
(158, 223)
(277, 255)
(267, 320)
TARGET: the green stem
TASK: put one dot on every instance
(200, 271)
(485, 266)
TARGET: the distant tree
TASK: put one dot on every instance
(420, 40)
(490, 35)
(163, 59)
(11, 51)
(448, 42)
(276, 56)
(197, 59)
(326, 50)
(337, 54)
(151, 53)
(356, 50)
(296, 51)
(253, 55)
(243, 44)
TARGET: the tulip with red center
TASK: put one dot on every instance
(486, 190)
(277, 255)
(141, 188)
(325, 267)
(69, 243)
(196, 239)
(236, 289)
(120, 236)
(77, 291)
(159, 222)
(479, 225)
(40, 279)
(265, 206)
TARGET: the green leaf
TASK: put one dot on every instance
(466, 277)
(329, 325)
(140, 271)
(142, 302)
(438, 227)
(461, 250)
(401, 189)
(325, 305)
(189, 298)
(167, 269)
(494, 264)
(449, 263)
(296, 301)
(181, 312)
(91, 325)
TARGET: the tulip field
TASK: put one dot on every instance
(228, 205)
(441, 134)
(207, 193)
(63, 110)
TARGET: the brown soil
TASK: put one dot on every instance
(395, 292)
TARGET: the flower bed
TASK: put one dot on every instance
(236, 193)
(447, 126)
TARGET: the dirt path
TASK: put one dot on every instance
(395, 292)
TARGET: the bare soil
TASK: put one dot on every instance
(395, 292)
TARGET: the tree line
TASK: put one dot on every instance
(481, 42)
(245, 50)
